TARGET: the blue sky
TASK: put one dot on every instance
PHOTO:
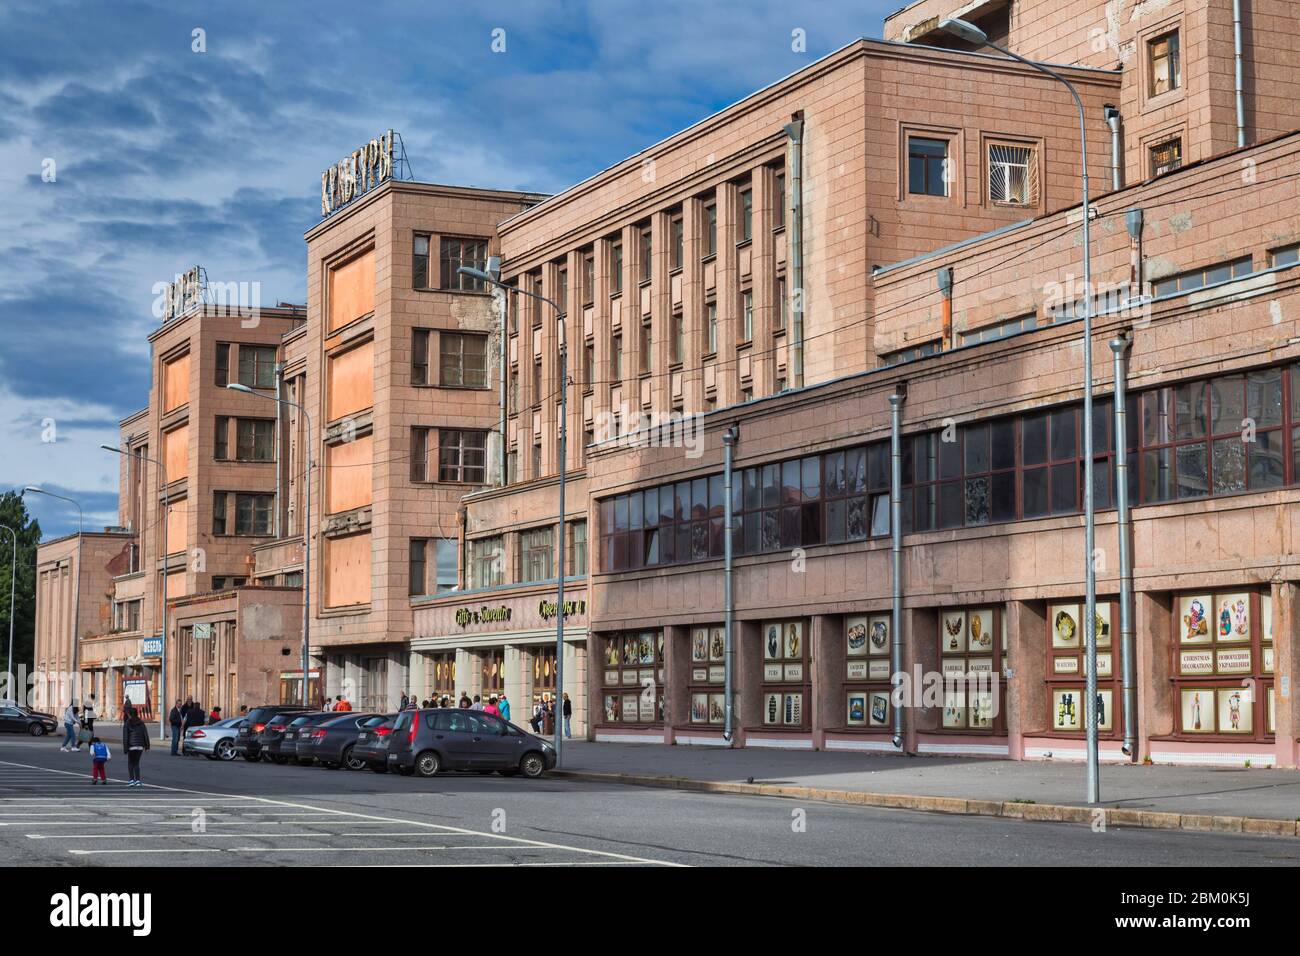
(164, 157)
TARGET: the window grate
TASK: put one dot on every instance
(1013, 175)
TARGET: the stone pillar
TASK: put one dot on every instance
(518, 682)
(352, 681)
(920, 657)
(1153, 637)
(747, 676)
(826, 647)
(398, 676)
(677, 675)
(418, 671)
(469, 672)
(1286, 657)
(1028, 696)
(575, 685)
(594, 677)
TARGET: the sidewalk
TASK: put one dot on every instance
(1194, 798)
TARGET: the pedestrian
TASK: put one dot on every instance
(491, 707)
(71, 723)
(504, 706)
(88, 715)
(568, 716)
(243, 710)
(215, 715)
(135, 741)
(341, 703)
(99, 758)
(174, 719)
(478, 703)
(465, 702)
(548, 719)
(405, 700)
(536, 722)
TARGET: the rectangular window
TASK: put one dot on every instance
(633, 678)
(589, 364)
(445, 558)
(419, 454)
(1013, 175)
(562, 289)
(927, 163)
(417, 567)
(577, 548)
(588, 278)
(678, 338)
(782, 304)
(786, 689)
(647, 345)
(462, 456)
(779, 201)
(616, 358)
(747, 316)
(257, 366)
(1286, 256)
(1199, 278)
(253, 514)
(1166, 156)
(679, 242)
(711, 229)
(746, 215)
(1166, 71)
(536, 555)
(971, 652)
(455, 253)
(420, 262)
(487, 564)
(1224, 665)
(647, 248)
(462, 360)
(221, 439)
(255, 439)
(711, 326)
(223, 365)
(420, 357)
(218, 512)
(909, 355)
(1001, 330)
(616, 268)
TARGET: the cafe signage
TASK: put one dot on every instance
(357, 174)
(547, 609)
(482, 615)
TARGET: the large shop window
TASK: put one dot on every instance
(633, 677)
(708, 675)
(972, 645)
(494, 672)
(1223, 665)
(866, 671)
(785, 687)
(442, 674)
(1068, 668)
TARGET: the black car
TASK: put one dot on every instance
(248, 742)
(331, 743)
(298, 743)
(273, 736)
(20, 720)
(371, 748)
(426, 741)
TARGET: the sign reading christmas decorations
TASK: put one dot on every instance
(357, 174)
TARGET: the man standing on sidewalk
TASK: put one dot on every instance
(174, 719)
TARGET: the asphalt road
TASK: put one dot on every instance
(194, 811)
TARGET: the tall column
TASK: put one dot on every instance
(575, 685)
(1286, 657)
(748, 676)
(677, 675)
(518, 683)
(827, 678)
(1157, 702)
(1026, 662)
(469, 672)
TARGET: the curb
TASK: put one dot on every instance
(1044, 812)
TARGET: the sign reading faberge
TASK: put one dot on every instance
(357, 174)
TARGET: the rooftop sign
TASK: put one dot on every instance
(357, 174)
(178, 297)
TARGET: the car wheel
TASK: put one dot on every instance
(532, 765)
(225, 750)
(377, 768)
(36, 730)
(352, 763)
(428, 764)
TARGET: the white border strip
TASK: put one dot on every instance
(629, 738)
(882, 746)
(983, 750)
(779, 743)
(1212, 759)
(1056, 753)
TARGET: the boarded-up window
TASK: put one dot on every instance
(352, 290)
(347, 475)
(351, 381)
(176, 586)
(177, 519)
(176, 383)
(176, 453)
(347, 570)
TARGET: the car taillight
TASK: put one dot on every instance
(318, 733)
(410, 738)
(383, 731)
(277, 726)
(199, 733)
(258, 728)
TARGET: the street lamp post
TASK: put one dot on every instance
(162, 551)
(76, 582)
(13, 581)
(973, 34)
(492, 276)
(306, 537)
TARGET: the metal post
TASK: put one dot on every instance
(1239, 77)
(896, 551)
(279, 465)
(559, 575)
(1124, 525)
(505, 372)
(13, 581)
(728, 595)
(306, 568)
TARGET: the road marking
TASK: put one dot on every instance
(186, 836)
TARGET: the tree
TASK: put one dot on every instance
(13, 514)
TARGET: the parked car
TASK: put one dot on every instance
(272, 738)
(15, 719)
(248, 741)
(331, 743)
(371, 748)
(298, 743)
(214, 741)
(427, 741)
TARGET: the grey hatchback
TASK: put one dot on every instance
(427, 741)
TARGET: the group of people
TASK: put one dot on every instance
(78, 725)
(135, 741)
(339, 703)
(542, 720)
(185, 715)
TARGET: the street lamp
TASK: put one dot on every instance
(492, 276)
(162, 551)
(76, 582)
(13, 580)
(974, 35)
(306, 537)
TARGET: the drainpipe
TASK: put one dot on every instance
(728, 598)
(944, 277)
(1125, 530)
(794, 130)
(1133, 222)
(1240, 83)
(896, 547)
(1112, 116)
(505, 339)
(279, 466)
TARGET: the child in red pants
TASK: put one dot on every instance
(99, 758)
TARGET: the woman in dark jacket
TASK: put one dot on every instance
(135, 741)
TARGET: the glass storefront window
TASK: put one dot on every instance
(785, 687)
(972, 646)
(708, 675)
(1223, 664)
(633, 677)
(1067, 667)
(866, 686)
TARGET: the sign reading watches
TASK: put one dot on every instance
(357, 174)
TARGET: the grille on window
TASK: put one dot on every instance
(1013, 175)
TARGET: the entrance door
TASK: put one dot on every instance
(374, 687)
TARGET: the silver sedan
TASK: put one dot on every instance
(214, 741)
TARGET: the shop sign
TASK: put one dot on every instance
(151, 646)
(717, 674)
(879, 670)
(357, 174)
(1065, 665)
(1195, 662)
(482, 615)
(772, 672)
(547, 609)
(857, 670)
(136, 692)
(1234, 661)
(793, 672)
(700, 674)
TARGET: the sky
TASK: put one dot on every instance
(132, 148)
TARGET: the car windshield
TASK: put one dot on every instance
(374, 721)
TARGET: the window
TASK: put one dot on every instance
(927, 163)
(616, 358)
(562, 289)
(711, 229)
(1068, 668)
(910, 354)
(1199, 278)
(221, 439)
(855, 491)
(782, 304)
(223, 365)
(577, 548)
(971, 647)
(779, 201)
(442, 551)
(746, 215)
(255, 439)
(589, 364)
(536, 555)
(487, 562)
(1223, 665)
(785, 687)
(1110, 300)
(253, 514)
(462, 456)
(588, 279)
(708, 675)
(463, 360)
(1001, 330)
(866, 671)
(420, 262)
(126, 615)
(537, 380)
(462, 252)
(420, 357)
(747, 316)
(1013, 175)
(1166, 157)
(678, 325)
(679, 242)
(647, 248)
(647, 344)
(292, 579)
(224, 583)
(257, 366)
(1166, 71)
(420, 454)
(616, 268)
(493, 666)
(442, 681)
(537, 460)
(711, 326)
(218, 512)
(1286, 256)
(633, 681)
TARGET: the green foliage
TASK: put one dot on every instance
(13, 514)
